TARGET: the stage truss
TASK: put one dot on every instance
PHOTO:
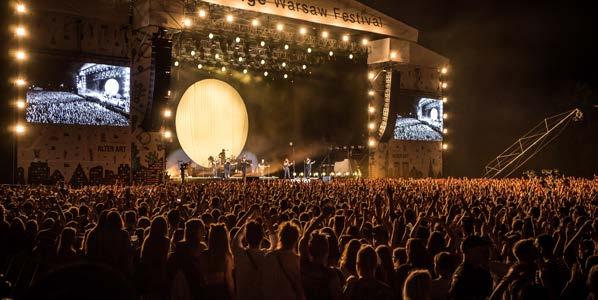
(530, 144)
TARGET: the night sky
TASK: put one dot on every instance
(513, 63)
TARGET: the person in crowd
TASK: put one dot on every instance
(472, 279)
(217, 265)
(249, 260)
(366, 286)
(417, 286)
(152, 264)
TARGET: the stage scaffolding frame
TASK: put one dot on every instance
(526, 147)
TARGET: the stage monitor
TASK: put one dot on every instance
(80, 93)
(419, 119)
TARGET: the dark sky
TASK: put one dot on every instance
(513, 63)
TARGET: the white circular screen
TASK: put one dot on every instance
(211, 116)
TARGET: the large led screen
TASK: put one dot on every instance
(420, 120)
(80, 93)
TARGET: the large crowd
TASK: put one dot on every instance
(352, 239)
(67, 108)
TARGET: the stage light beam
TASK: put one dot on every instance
(187, 22)
(444, 70)
(371, 75)
(325, 34)
(266, 74)
(237, 40)
(20, 55)
(372, 126)
(20, 31)
(202, 13)
(445, 146)
(200, 66)
(444, 99)
(21, 8)
(351, 56)
(445, 131)
(309, 50)
(262, 43)
(330, 53)
(286, 76)
(393, 55)
(19, 129)
(284, 64)
(167, 134)
(245, 71)
(211, 36)
(255, 23)
(345, 38)
(20, 82)
(371, 92)
(365, 42)
(230, 18)
(444, 85)
(167, 113)
(372, 143)
(279, 27)
(176, 63)
(20, 104)
(371, 109)
(303, 31)
(286, 47)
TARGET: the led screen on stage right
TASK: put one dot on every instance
(420, 120)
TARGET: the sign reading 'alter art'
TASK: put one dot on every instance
(341, 13)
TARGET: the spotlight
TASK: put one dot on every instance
(21, 8)
(286, 76)
(279, 27)
(444, 70)
(223, 69)
(345, 38)
(192, 52)
(202, 13)
(316, 174)
(284, 64)
(167, 113)
(444, 99)
(237, 40)
(255, 23)
(347, 173)
(365, 42)
(393, 55)
(331, 53)
(263, 62)
(230, 18)
(332, 174)
(20, 31)
(19, 129)
(266, 73)
(176, 63)
(187, 22)
(372, 126)
(20, 104)
(20, 55)
(445, 116)
(372, 143)
(262, 43)
(302, 30)
(240, 59)
(325, 34)
(445, 131)
(371, 75)
(444, 85)
(20, 82)
(371, 92)
(308, 50)
(245, 71)
(444, 146)
(351, 56)
(167, 134)
(304, 67)
(294, 174)
(217, 56)
(323, 173)
(211, 36)
(200, 66)
(286, 47)
(371, 109)
(301, 174)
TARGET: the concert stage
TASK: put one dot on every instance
(333, 81)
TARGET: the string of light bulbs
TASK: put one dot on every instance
(20, 56)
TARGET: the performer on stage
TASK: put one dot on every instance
(308, 164)
(262, 167)
(213, 166)
(286, 166)
(244, 165)
(222, 156)
(227, 167)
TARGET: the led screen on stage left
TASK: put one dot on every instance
(79, 93)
